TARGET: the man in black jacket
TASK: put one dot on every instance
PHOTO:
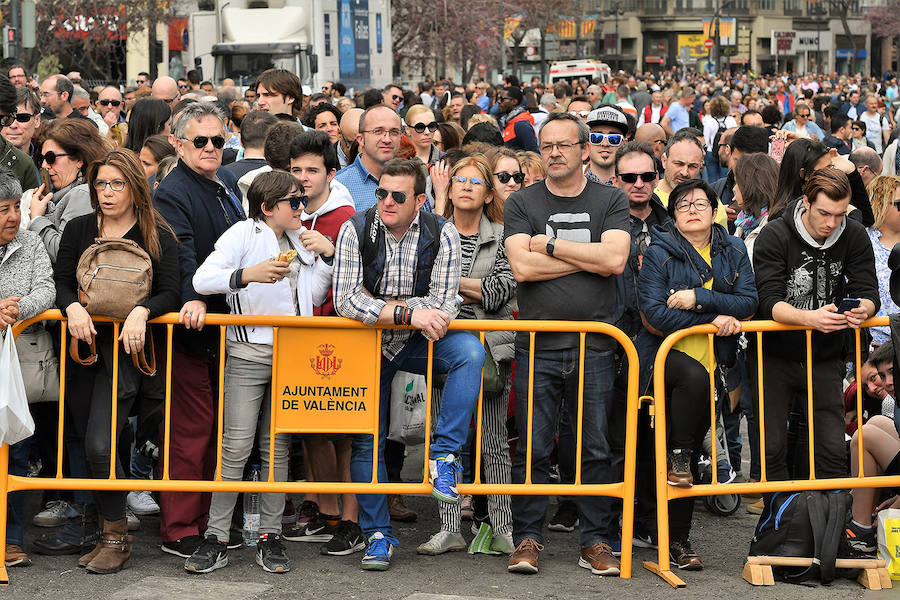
(200, 200)
(807, 259)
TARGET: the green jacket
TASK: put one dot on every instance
(19, 163)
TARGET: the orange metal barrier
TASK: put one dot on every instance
(665, 492)
(284, 326)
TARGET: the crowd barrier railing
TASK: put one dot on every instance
(331, 356)
(757, 570)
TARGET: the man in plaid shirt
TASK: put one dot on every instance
(396, 264)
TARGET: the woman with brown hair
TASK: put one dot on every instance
(447, 136)
(506, 172)
(68, 146)
(755, 179)
(120, 199)
(487, 287)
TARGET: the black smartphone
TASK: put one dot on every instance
(848, 304)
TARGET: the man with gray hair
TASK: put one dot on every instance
(81, 101)
(110, 105)
(867, 162)
(200, 200)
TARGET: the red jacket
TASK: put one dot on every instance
(648, 112)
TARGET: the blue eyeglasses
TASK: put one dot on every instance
(473, 180)
(614, 139)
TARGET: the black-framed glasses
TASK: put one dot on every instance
(647, 177)
(201, 141)
(804, 115)
(503, 98)
(504, 177)
(109, 102)
(614, 139)
(421, 127)
(699, 205)
(472, 180)
(295, 201)
(117, 185)
(398, 196)
(50, 157)
(396, 97)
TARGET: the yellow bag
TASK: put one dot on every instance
(889, 540)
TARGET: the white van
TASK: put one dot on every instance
(575, 69)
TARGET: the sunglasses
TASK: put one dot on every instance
(109, 102)
(804, 115)
(183, 86)
(504, 177)
(421, 127)
(581, 114)
(295, 201)
(50, 157)
(647, 177)
(614, 139)
(7, 120)
(201, 140)
(382, 194)
(473, 180)
(396, 97)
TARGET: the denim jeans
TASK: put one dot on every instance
(458, 354)
(555, 382)
(15, 505)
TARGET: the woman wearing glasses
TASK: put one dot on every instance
(693, 273)
(487, 287)
(121, 209)
(420, 127)
(68, 146)
(506, 172)
(268, 264)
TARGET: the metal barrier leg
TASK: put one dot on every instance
(4, 487)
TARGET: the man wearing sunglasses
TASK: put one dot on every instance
(200, 201)
(11, 156)
(396, 264)
(515, 121)
(24, 123)
(608, 130)
(110, 104)
(393, 96)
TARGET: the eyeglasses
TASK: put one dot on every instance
(117, 185)
(140, 81)
(295, 201)
(503, 98)
(396, 97)
(472, 180)
(803, 115)
(109, 102)
(421, 127)
(562, 146)
(614, 139)
(504, 177)
(699, 205)
(201, 140)
(382, 194)
(581, 114)
(50, 157)
(394, 133)
(647, 177)
(7, 120)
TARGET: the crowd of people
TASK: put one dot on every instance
(652, 203)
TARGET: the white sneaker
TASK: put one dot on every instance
(503, 542)
(142, 503)
(443, 541)
(55, 514)
(133, 522)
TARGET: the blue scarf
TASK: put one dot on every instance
(747, 222)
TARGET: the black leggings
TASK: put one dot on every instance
(131, 384)
(687, 413)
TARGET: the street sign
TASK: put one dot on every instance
(708, 44)
(482, 67)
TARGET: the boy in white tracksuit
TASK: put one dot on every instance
(241, 266)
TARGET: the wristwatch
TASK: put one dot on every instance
(551, 243)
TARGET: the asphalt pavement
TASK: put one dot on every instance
(722, 542)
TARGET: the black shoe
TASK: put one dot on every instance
(566, 517)
(319, 529)
(211, 555)
(184, 547)
(78, 535)
(684, 556)
(347, 539)
(270, 555)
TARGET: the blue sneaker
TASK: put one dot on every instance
(444, 474)
(724, 472)
(378, 553)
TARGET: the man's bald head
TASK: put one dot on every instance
(350, 123)
(165, 88)
(653, 134)
(867, 162)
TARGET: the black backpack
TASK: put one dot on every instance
(803, 524)
(718, 138)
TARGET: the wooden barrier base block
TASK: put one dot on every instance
(875, 579)
(667, 576)
(758, 574)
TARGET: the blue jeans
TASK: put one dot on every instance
(15, 505)
(556, 381)
(458, 354)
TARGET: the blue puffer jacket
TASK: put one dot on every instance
(672, 264)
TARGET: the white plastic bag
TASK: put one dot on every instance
(407, 409)
(16, 423)
(889, 540)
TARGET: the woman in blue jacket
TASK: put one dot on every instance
(693, 273)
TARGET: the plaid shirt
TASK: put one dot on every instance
(353, 301)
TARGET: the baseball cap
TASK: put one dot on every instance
(608, 114)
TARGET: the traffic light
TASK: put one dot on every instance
(10, 42)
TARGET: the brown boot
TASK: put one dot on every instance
(115, 548)
(399, 511)
(84, 560)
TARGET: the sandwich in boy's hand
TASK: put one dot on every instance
(287, 256)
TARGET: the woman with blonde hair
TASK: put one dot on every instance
(420, 127)
(532, 166)
(487, 287)
(884, 193)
